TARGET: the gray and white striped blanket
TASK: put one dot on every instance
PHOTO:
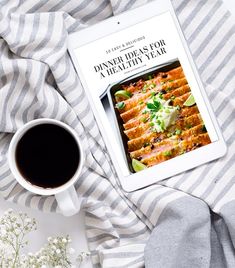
(37, 79)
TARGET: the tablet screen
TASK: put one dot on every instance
(153, 107)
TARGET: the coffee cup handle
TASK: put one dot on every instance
(68, 202)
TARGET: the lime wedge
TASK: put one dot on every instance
(137, 165)
(190, 101)
(123, 94)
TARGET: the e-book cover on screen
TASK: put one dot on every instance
(144, 80)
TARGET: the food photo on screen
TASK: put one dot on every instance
(155, 116)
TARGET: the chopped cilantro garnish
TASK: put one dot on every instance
(120, 105)
(155, 106)
(152, 116)
(167, 153)
(151, 106)
(144, 120)
(153, 94)
(178, 131)
(153, 85)
(160, 96)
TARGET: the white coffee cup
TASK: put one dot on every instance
(66, 195)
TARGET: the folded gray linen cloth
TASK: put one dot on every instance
(37, 79)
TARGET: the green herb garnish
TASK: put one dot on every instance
(153, 85)
(154, 107)
(178, 131)
(152, 116)
(144, 120)
(167, 153)
(160, 96)
(120, 105)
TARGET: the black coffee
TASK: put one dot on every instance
(47, 155)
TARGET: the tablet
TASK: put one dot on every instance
(146, 95)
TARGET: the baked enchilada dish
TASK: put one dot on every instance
(160, 118)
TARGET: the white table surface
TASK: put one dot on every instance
(53, 224)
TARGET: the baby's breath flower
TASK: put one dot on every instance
(13, 229)
(28, 220)
(82, 256)
(3, 231)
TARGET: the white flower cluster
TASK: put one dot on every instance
(54, 254)
(13, 229)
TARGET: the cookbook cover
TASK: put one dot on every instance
(147, 88)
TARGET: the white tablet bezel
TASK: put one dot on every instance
(175, 165)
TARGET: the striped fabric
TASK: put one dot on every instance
(37, 79)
